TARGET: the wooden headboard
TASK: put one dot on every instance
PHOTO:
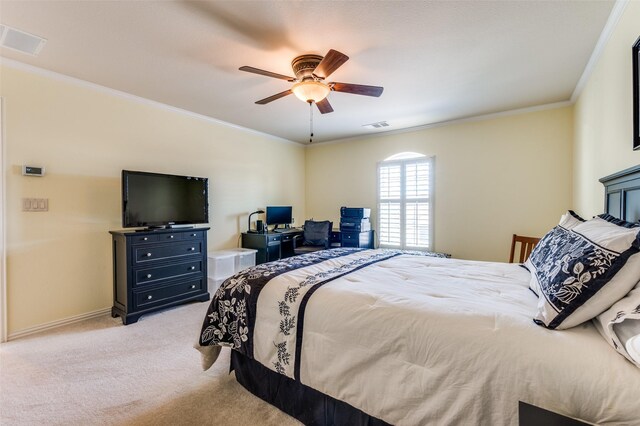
(622, 194)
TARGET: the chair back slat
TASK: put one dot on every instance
(526, 247)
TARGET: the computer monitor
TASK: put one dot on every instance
(279, 215)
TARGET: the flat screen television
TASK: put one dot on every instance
(279, 215)
(156, 200)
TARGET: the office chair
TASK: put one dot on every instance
(316, 236)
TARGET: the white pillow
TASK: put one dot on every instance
(571, 219)
(582, 270)
(620, 325)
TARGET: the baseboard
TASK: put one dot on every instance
(58, 323)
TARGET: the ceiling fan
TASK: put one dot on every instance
(310, 86)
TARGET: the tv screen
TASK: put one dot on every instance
(156, 200)
(279, 215)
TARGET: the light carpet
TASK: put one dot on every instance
(99, 372)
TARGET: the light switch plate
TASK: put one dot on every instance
(35, 204)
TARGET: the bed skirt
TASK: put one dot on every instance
(308, 405)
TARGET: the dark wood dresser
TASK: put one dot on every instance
(153, 270)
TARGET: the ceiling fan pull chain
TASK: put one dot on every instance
(310, 121)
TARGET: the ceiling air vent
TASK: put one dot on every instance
(377, 125)
(20, 41)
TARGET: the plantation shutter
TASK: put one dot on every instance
(389, 208)
(404, 204)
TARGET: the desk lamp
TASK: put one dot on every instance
(249, 220)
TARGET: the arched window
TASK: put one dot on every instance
(405, 201)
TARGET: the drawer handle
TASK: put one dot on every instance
(148, 275)
(192, 268)
(193, 286)
(193, 235)
(192, 249)
(145, 239)
(170, 236)
(148, 254)
(149, 297)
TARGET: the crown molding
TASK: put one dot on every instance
(11, 63)
(469, 119)
(605, 35)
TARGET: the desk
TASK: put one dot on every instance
(271, 245)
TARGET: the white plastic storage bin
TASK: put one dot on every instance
(244, 258)
(220, 266)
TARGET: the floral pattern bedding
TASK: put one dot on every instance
(231, 316)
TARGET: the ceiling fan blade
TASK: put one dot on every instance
(274, 97)
(331, 62)
(266, 73)
(324, 106)
(357, 89)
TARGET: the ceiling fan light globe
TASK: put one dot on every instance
(310, 91)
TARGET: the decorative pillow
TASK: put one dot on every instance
(317, 233)
(581, 271)
(569, 220)
(620, 325)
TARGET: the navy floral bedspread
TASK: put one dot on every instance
(231, 315)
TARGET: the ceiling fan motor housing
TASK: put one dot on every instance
(304, 65)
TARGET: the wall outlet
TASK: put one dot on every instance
(35, 204)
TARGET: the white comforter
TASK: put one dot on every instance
(419, 340)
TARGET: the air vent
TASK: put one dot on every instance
(20, 41)
(377, 125)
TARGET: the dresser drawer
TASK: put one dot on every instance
(271, 239)
(167, 251)
(287, 237)
(193, 235)
(144, 239)
(350, 243)
(170, 237)
(355, 239)
(161, 295)
(355, 236)
(152, 275)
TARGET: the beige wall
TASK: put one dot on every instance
(603, 117)
(59, 262)
(493, 178)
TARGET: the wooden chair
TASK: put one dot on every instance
(526, 246)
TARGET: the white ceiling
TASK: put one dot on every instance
(437, 60)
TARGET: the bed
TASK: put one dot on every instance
(350, 336)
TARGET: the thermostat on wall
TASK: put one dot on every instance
(32, 171)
